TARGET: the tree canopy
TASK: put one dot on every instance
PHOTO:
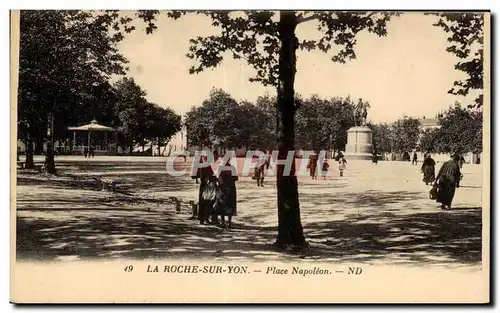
(67, 59)
(321, 123)
(460, 131)
(466, 42)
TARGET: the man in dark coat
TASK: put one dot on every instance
(415, 158)
(448, 179)
(374, 157)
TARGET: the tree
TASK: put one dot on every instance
(311, 125)
(131, 107)
(340, 120)
(466, 38)
(165, 124)
(322, 124)
(406, 134)
(268, 133)
(460, 131)
(252, 126)
(196, 135)
(381, 137)
(62, 54)
(429, 141)
(269, 45)
(220, 111)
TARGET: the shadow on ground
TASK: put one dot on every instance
(419, 238)
(369, 226)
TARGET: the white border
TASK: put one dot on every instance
(261, 4)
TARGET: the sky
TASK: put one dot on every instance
(408, 72)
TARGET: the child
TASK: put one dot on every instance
(206, 208)
(324, 168)
(342, 165)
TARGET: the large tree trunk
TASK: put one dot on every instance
(29, 154)
(50, 164)
(159, 147)
(289, 224)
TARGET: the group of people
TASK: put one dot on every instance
(259, 173)
(88, 152)
(217, 195)
(312, 166)
(447, 179)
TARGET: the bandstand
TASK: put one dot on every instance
(96, 137)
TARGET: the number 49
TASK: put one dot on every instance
(129, 268)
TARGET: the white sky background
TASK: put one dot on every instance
(406, 72)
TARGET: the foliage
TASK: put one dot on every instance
(63, 56)
(268, 124)
(460, 131)
(139, 120)
(466, 42)
(429, 141)
(406, 134)
(382, 137)
(323, 124)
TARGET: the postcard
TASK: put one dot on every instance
(250, 156)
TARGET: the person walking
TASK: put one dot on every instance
(428, 169)
(447, 180)
(374, 157)
(461, 162)
(260, 170)
(324, 168)
(342, 164)
(414, 160)
(313, 165)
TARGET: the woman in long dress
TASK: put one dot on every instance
(448, 179)
(428, 169)
(203, 174)
(226, 201)
(312, 165)
(342, 165)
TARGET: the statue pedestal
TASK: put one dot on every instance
(359, 143)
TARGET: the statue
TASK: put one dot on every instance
(361, 113)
